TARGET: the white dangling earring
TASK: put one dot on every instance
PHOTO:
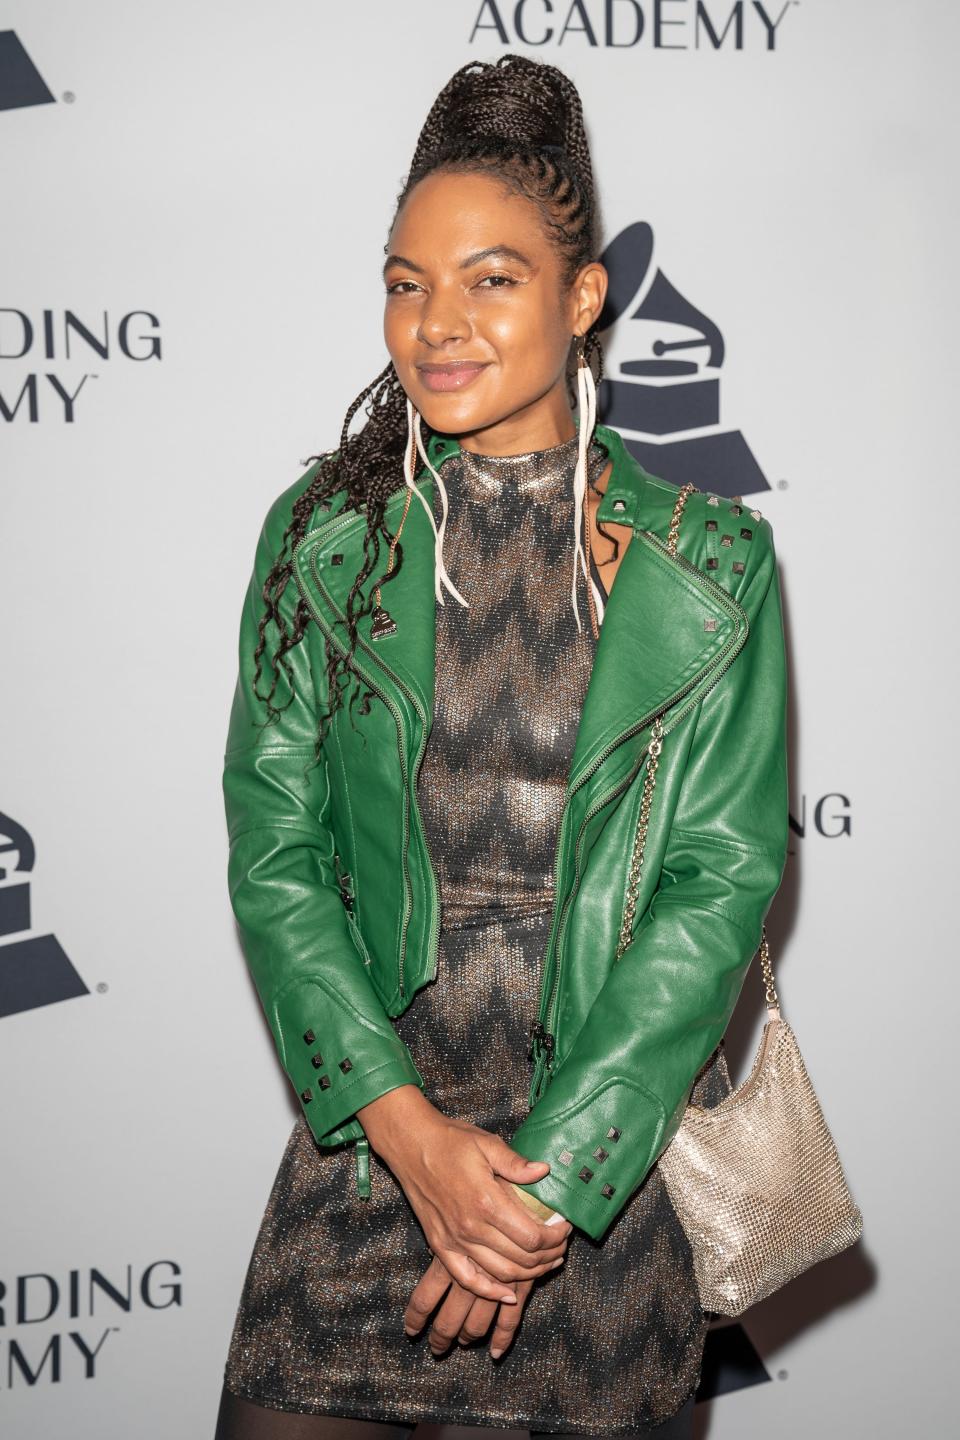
(587, 410)
(415, 437)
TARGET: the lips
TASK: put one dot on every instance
(454, 375)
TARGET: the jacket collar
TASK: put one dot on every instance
(666, 625)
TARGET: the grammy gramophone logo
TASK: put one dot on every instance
(34, 970)
(20, 81)
(661, 389)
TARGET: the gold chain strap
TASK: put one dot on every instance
(650, 780)
(653, 758)
(769, 987)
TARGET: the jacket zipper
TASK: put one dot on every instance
(433, 936)
(543, 1041)
(362, 1145)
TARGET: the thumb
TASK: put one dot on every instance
(513, 1166)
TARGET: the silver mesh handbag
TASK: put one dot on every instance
(756, 1180)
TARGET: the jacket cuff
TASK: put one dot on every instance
(599, 1151)
(336, 1060)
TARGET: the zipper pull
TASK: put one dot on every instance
(345, 882)
(540, 1049)
(363, 1167)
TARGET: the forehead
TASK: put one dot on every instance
(448, 216)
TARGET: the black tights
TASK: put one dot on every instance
(240, 1419)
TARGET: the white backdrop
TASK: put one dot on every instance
(224, 175)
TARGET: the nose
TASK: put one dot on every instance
(442, 319)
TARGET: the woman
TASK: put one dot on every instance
(433, 800)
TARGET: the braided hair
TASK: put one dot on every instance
(521, 120)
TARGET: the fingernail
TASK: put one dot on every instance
(510, 1298)
(559, 1261)
(410, 1332)
(495, 1354)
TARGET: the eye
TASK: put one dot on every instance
(500, 281)
(395, 288)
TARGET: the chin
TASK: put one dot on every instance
(454, 416)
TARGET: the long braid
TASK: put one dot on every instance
(521, 120)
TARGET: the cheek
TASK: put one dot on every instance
(399, 329)
(526, 337)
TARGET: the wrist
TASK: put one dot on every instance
(533, 1204)
(390, 1121)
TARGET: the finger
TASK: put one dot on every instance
(478, 1321)
(424, 1296)
(472, 1277)
(558, 1224)
(518, 1230)
(511, 1164)
(508, 1321)
(526, 1268)
(450, 1317)
(487, 1225)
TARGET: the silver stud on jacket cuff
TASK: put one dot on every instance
(613, 1133)
(585, 1174)
(565, 1157)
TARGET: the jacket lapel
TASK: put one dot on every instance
(327, 562)
(666, 625)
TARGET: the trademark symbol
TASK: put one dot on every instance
(68, 97)
(782, 1374)
(102, 987)
(783, 484)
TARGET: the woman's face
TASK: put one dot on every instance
(477, 319)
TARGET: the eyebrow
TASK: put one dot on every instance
(475, 259)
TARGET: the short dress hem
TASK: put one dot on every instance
(486, 1418)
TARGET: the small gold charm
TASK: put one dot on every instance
(381, 623)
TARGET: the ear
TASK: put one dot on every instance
(589, 291)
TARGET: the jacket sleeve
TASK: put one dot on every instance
(617, 1098)
(334, 1038)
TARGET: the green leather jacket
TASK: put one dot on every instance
(332, 883)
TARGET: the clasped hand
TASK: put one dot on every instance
(488, 1248)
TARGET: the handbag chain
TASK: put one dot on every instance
(646, 799)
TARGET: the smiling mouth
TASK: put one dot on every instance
(453, 376)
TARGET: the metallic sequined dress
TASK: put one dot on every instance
(612, 1340)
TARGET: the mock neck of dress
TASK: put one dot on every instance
(543, 477)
